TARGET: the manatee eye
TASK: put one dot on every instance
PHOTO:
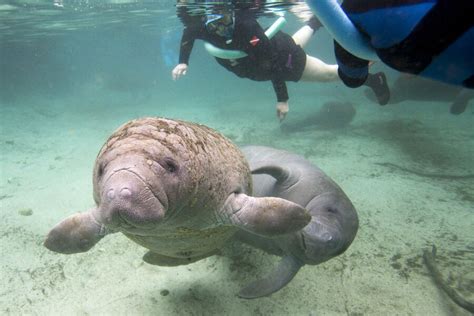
(100, 170)
(332, 210)
(170, 165)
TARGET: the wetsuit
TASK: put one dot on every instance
(430, 38)
(278, 59)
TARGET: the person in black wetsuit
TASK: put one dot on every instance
(278, 59)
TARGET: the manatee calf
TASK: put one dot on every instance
(177, 188)
(333, 225)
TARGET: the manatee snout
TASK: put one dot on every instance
(332, 228)
(128, 202)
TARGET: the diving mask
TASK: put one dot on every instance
(222, 25)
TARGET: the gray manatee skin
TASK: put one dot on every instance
(177, 188)
(409, 87)
(333, 225)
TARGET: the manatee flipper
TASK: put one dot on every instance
(275, 280)
(265, 216)
(165, 261)
(76, 233)
(279, 173)
(285, 178)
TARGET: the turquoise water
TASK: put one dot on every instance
(70, 76)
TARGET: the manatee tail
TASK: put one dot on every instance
(274, 281)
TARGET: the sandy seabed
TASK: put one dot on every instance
(48, 150)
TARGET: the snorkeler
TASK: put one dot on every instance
(278, 59)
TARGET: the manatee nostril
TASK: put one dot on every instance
(111, 194)
(125, 193)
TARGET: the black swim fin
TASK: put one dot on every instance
(378, 83)
(460, 102)
(314, 23)
(275, 280)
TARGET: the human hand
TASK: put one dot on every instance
(178, 71)
(282, 110)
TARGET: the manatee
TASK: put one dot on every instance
(177, 188)
(334, 221)
(331, 115)
(413, 88)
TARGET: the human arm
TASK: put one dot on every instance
(281, 91)
(282, 109)
(186, 46)
(178, 71)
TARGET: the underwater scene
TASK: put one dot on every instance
(242, 161)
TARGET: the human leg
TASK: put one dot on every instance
(316, 70)
(354, 72)
(302, 36)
